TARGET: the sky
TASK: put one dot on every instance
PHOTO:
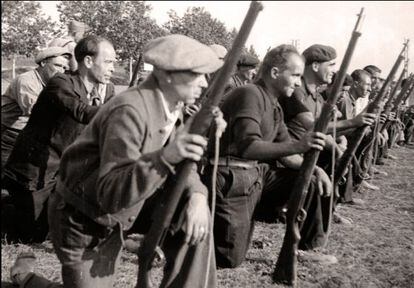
(385, 27)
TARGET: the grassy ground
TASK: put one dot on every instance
(377, 251)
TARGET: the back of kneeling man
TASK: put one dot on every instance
(249, 185)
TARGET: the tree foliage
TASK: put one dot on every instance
(24, 28)
(125, 23)
(200, 25)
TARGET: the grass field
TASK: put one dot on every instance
(377, 251)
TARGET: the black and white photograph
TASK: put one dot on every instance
(204, 144)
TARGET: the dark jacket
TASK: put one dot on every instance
(59, 115)
(115, 164)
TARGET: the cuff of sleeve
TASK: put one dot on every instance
(167, 164)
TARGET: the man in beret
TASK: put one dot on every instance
(113, 175)
(76, 31)
(18, 100)
(250, 186)
(66, 104)
(246, 69)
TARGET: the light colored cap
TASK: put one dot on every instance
(220, 50)
(76, 26)
(180, 53)
(51, 52)
(60, 42)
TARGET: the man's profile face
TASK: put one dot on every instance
(325, 71)
(247, 72)
(363, 87)
(55, 65)
(103, 63)
(289, 77)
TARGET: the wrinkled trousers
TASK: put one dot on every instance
(245, 195)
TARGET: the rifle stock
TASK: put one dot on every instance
(286, 266)
(357, 136)
(200, 125)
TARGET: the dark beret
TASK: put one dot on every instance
(248, 60)
(319, 53)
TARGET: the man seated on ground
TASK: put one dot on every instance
(249, 185)
(128, 150)
(360, 88)
(18, 100)
(64, 107)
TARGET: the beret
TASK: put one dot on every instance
(178, 52)
(76, 26)
(51, 52)
(319, 53)
(247, 60)
(220, 50)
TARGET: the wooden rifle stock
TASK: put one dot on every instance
(286, 266)
(358, 134)
(200, 125)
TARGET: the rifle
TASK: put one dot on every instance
(286, 266)
(356, 137)
(391, 103)
(136, 69)
(200, 125)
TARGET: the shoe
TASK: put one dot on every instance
(369, 186)
(379, 172)
(337, 218)
(22, 268)
(312, 256)
(392, 157)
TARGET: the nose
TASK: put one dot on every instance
(203, 81)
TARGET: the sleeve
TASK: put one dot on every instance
(61, 94)
(292, 106)
(26, 96)
(246, 118)
(126, 176)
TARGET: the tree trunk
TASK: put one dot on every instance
(130, 68)
(14, 66)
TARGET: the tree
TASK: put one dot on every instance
(253, 52)
(200, 25)
(125, 23)
(24, 28)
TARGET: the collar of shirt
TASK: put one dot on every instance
(39, 77)
(170, 116)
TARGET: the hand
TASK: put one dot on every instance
(383, 118)
(184, 146)
(315, 140)
(364, 118)
(381, 140)
(196, 224)
(391, 116)
(191, 109)
(323, 182)
(342, 143)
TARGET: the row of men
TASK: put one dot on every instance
(101, 168)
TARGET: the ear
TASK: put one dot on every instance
(315, 66)
(88, 61)
(274, 72)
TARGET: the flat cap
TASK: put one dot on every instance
(178, 52)
(51, 52)
(220, 50)
(76, 26)
(319, 53)
(248, 60)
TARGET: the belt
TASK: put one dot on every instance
(231, 162)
